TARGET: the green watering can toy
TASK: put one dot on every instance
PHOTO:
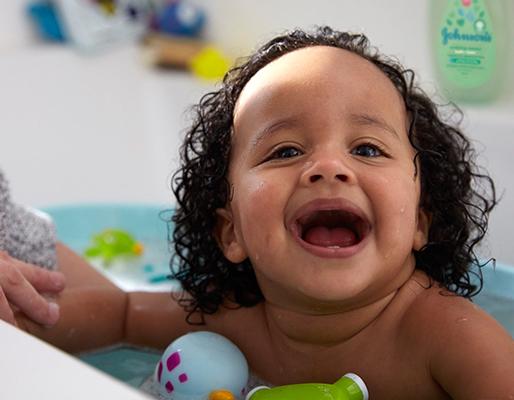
(349, 387)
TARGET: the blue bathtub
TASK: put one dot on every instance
(77, 224)
(497, 296)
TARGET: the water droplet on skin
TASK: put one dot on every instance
(461, 319)
(402, 210)
(257, 186)
(307, 165)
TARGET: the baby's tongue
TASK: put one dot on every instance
(327, 237)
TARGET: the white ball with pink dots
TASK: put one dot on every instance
(197, 365)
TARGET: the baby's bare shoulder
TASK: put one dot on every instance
(433, 308)
(468, 353)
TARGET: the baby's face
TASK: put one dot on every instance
(325, 198)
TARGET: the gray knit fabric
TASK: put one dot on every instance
(26, 234)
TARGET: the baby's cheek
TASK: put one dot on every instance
(259, 192)
(261, 208)
(397, 188)
(256, 186)
(399, 199)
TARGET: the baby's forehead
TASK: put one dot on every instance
(317, 72)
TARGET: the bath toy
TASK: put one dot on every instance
(349, 387)
(201, 366)
(207, 366)
(209, 63)
(111, 244)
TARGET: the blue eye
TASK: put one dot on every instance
(286, 152)
(368, 150)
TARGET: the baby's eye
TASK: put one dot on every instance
(285, 152)
(368, 150)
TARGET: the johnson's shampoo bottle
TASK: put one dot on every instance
(470, 47)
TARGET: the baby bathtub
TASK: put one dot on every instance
(147, 223)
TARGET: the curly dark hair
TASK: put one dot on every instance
(454, 192)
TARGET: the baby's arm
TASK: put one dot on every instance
(472, 356)
(91, 307)
(95, 313)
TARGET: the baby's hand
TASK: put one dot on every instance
(21, 288)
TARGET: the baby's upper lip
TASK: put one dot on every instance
(327, 204)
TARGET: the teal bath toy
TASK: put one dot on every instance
(111, 244)
(349, 387)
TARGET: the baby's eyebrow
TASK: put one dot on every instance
(362, 119)
(270, 129)
(373, 120)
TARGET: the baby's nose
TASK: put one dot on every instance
(327, 168)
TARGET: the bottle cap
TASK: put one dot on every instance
(357, 380)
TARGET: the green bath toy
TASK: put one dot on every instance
(111, 244)
(349, 387)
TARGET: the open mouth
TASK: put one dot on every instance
(332, 228)
(329, 228)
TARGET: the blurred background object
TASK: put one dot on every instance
(46, 21)
(173, 30)
(92, 24)
(180, 18)
(470, 41)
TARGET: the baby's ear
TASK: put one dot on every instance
(227, 238)
(421, 235)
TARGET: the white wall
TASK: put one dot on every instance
(78, 129)
(107, 128)
(398, 27)
(15, 29)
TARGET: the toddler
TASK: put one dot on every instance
(327, 219)
(322, 195)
